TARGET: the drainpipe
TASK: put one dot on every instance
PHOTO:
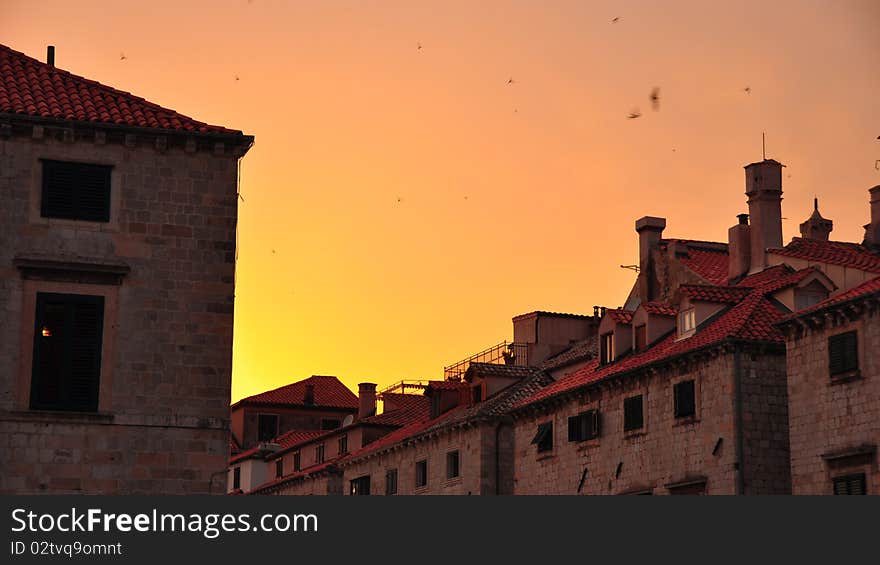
(738, 419)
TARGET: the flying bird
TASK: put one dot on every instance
(655, 98)
(634, 114)
(615, 19)
(747, 90)
(399, 199)
(419, 46)
(122, 57)
(510, 80)
(236, 77)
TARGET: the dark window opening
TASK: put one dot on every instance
(319, 454)
(684, 399)
(330, 424)
(584, 426)
(360, 486)
(544, 437)
(843, 353)
(452, 464)
(633, 416)
(606, 348)
(68, 337)
(641, 337)
(850, 484)
(75, 191)
(297, 461)
(343, 445)
(391, 482)
(267, 427)
(279, 468)
(478, 394)
(421, 473)
(236, 478)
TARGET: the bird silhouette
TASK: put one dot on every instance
(655, 98)
(615, 19)
(419, 46)
(747, 90)
(122, 57)
(510, 80)
(399, 199)
(634, 114)
(236, 77)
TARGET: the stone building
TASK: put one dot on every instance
(117, 273)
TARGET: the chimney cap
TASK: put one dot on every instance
(764, 162)
(367, 386)
(743, 219)
(650, 223)
(50, 55)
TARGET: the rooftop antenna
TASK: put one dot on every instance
(630, 267)
(763, 146)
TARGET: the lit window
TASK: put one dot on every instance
(687, 322)
(607, 348)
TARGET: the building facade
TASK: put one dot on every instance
(117, 275)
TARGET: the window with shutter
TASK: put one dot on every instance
(279, 468)
(843, 353)
(360, 486)
(421, 473)
(75, 191)
(236, 478)
(297, 461)
(391, 482)
(343, 445)
(267, 427)
(633, 417)
(850, 484)
(641, 337)
(544, 437)
(684, 399)
(67, 347)
(584, 426)
(319, 454)
(452, 464)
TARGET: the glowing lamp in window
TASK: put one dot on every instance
(46, 332)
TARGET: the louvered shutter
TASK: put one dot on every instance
(76, 191)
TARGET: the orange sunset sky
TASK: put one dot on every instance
(402, 204)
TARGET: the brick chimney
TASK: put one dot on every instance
(50, 55)
(872, 230)
(764, 189)
(739, 248)
(366, 399)
(816, 227)
(650, 230)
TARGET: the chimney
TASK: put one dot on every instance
(764, 189)
(650, 230)
(872, 230)
(50, 55)
(739, 248)
(309, 396)
(366, 400)
(816, 227)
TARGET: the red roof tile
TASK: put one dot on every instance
(711, 293)
(620, 316)
(329, 392)
(708, 259)
(285, 441)
(32, 88)
(839, 253)
(659, 309)
(447, 385)
(410, 409)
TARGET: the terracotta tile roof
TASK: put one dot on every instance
(329, 393)
(447, 385)
(580, 351)
(411, 409)
(659, 309)
(839, 253)
(29, 87)
(286, 441)
(326, 466)
(620, 316)
(708, 259)
(712, 293)
(484, 370)
(863, 290)
(750, 319)
(556, 314)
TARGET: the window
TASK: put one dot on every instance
(391, 481)
(343, 444)
(360, 486)
(843, 353)
(641, 337)
(452, 464)
(544, 437)
(75, 191)
(684, 399)
(279, 468)
(606, 345)
(584, 426)
(478, 393)
(68, 336)
(330, 424)
(319, 454)
(850, 484)
(421, 473)
(633, 417)
(236, 478)
(687, 322)
(297, 461)
(267, 427)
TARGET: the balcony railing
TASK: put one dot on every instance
(405, 386)
(504, 353)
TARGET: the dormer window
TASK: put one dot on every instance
(641, 334)
(606, 345)
(477, 393)
(687, 322)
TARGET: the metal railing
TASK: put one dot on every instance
(404, 386)
(504, 353)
